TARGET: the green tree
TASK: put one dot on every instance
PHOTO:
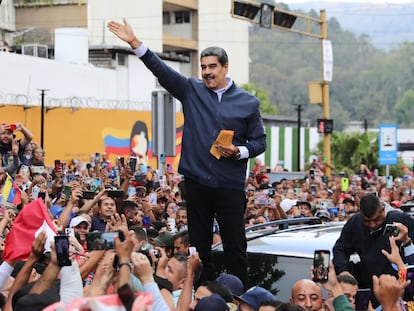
(404, 109)
(265, 107)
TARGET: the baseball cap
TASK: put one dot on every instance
(232, 282)
(305, 203)
(348, 200)
(255, 296)
(165, 239)
(77, 220)
(213, 302)
(287, 204)
(323, 214)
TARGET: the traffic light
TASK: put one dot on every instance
(283, 19)
(266, 14)
(245, 9)
(325, 126)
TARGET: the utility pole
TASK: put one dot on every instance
(299, 110)
(42, 117)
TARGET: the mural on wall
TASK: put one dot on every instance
(136, 142)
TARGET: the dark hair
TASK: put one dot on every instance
(219, 288)
(347, 279)
(138, 128)
(127, 205)
(369, 204)
(185, 237)
(216, 51)
(288, 306)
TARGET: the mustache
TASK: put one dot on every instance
(208, 76)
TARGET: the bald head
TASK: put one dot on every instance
(307, 294)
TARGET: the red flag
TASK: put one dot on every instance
(31, 220)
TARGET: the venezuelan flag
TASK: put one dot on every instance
(116, 141)
(11, 191)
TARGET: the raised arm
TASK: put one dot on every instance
(124, 32)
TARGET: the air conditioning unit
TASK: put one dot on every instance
(38, 50)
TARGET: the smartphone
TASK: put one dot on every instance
(97, 157)
(390, 182)
(312, 174)
(101, 240)
(313, 190)
(88, 195)
(140, 191)
(69, 232)
(391, 230)
(58, 166)
(321, 259)
(71, 177)
(191, 250)
(344, 184)
(62, 250)
(12, 127)
(35, 192)
(139, 177)
(115, 193)
(42, 195)
(121, 161)
(67, 190)
(131, 191)
(152, 198)
(133, 164)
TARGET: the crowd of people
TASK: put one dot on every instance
(122, 235)
(153, 256)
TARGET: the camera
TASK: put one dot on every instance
(391, 230)
(147, 248)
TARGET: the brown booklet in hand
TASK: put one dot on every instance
(225, 138)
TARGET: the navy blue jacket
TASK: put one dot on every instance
(204, 117)
(356, 238)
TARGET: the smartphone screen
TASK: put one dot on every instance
(140, 191)
(390, 182)
(321, 259)
(133, 164)
(58, 166)
(344, 184)
(62, 250)
(101, 240)
(121, 161)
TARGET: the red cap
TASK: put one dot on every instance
(344, 196)
(396, 204)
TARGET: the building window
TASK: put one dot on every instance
(166, 18)
(182, 17)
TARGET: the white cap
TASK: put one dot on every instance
(75, 221)
(287, 204)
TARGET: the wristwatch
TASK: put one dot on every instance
(126, 263)
(237, 155)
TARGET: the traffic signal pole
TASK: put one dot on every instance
(325, 98)
(283, 20)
